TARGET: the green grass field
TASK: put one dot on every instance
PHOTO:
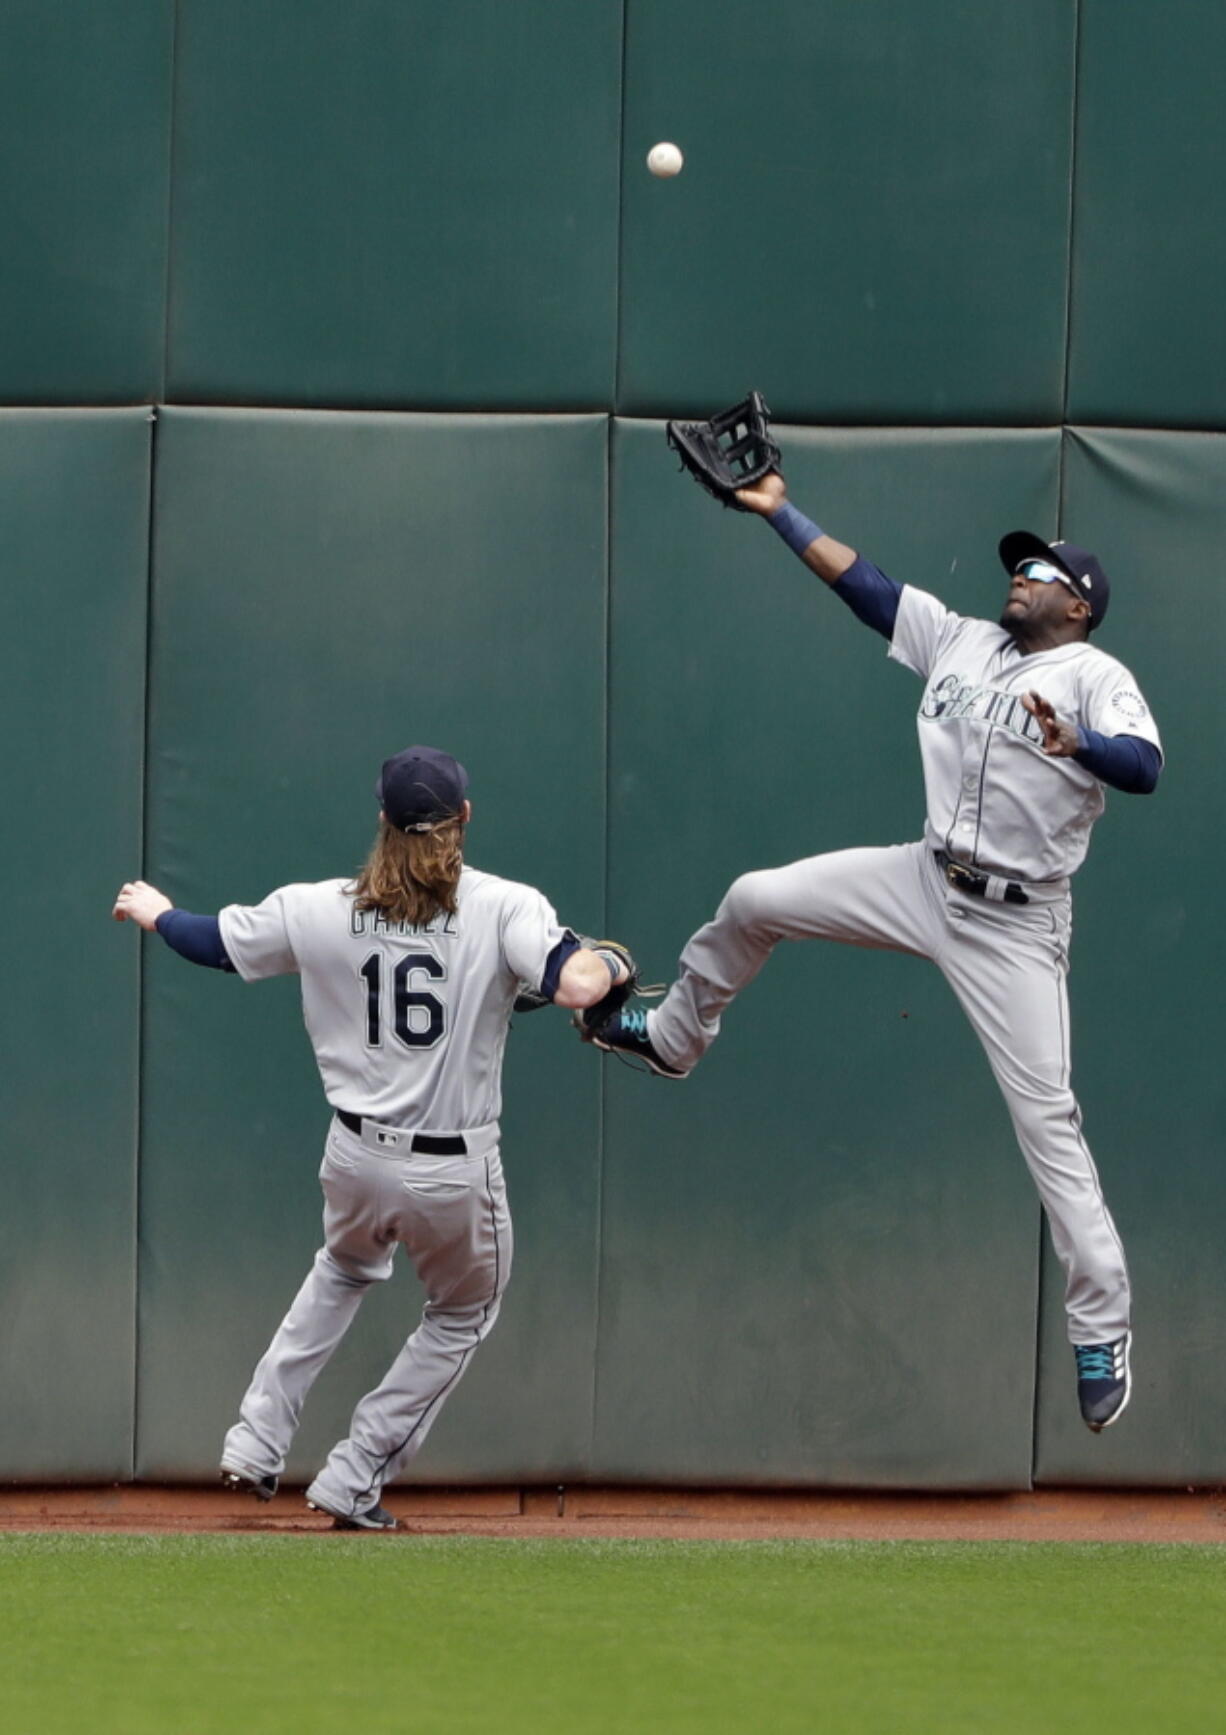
(188, 1635)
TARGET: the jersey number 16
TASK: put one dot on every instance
(419, 1018)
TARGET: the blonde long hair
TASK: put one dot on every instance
(413, 876)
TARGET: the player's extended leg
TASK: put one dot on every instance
(1008, 968)
(452, 1217)
(877, 898)
(357, 1252)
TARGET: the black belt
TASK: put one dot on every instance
(967, 880)
(430, 1144)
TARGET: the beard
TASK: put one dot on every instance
(1030, 632)
(1027, 633)
(1015, 624)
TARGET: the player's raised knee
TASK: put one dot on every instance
(747, 901)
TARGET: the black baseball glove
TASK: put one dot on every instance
(617, 995)
(733, 450)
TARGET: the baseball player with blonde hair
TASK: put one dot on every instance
(409, 976)
(1021, 724)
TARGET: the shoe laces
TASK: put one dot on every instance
(1095, 1361)
(632, 1022)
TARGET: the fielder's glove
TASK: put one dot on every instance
(613, 1001)
(733, 450)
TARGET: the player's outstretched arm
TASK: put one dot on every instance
(196, 938)
(141, 903)
(870, 595)
(822, 554)
(591, 973)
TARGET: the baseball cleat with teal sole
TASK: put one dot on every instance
(1104, 1381)
(625, 1033)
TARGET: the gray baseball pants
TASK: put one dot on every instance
(1007, 964)
(450, 1215)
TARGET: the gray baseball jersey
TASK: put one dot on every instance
(408, 1024)
(994, 798)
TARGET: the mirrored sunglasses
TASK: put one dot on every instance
(1045, 573)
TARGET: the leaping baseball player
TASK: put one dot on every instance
(1021, 723)
(409, 977)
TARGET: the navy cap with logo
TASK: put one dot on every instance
(1079, 566)
(420, 787)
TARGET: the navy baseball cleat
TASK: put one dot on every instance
(374, 1517)
(625, 1032)
(244, 1482)
(1104, 1381)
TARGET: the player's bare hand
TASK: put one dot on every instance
(141, 903)
(766, 496)
(1060, 740)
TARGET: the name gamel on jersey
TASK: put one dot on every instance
(408, 1023)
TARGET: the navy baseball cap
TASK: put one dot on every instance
(420, 787)
(1080, 567)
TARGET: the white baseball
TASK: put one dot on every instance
(665, 160)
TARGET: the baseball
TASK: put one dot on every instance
(665, 160)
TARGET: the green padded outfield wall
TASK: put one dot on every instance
(971, 254)
(873, 225)
(1148, 1020)
(74, 503)
(392, 202)
(84, 185)
(1148, 342)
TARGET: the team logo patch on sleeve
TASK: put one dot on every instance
(1131, 706)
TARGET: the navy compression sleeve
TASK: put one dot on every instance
(1120, 760)
(196, 938)
(565, 948)
(870, 595)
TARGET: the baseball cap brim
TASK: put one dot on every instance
(1021, 545)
